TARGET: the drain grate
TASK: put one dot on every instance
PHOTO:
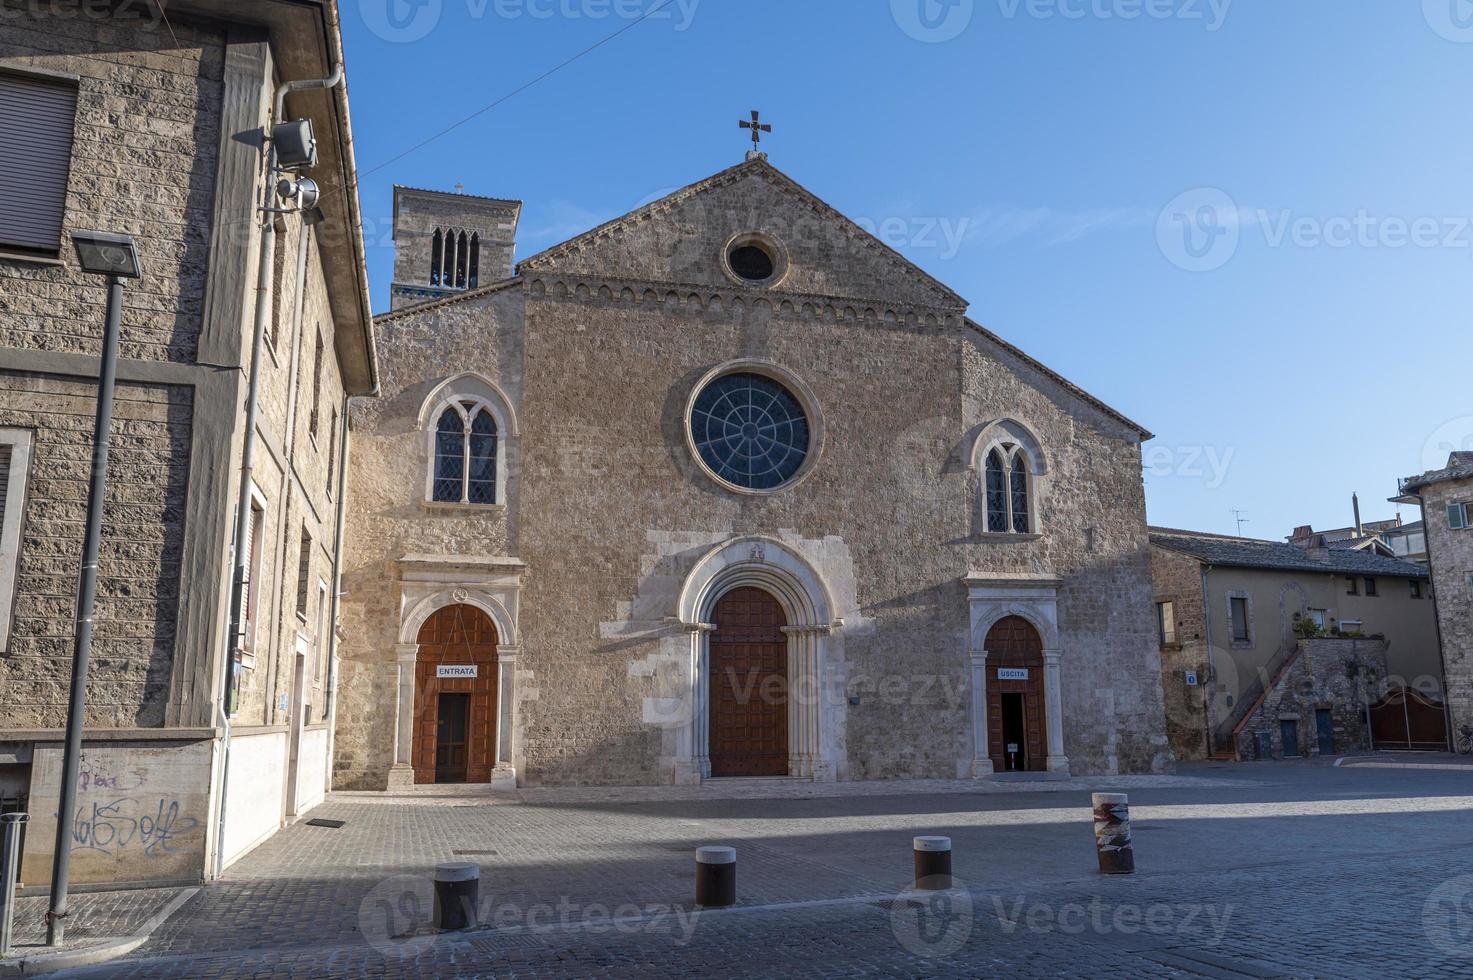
(324, 822)
(501, 944)
(470, 854)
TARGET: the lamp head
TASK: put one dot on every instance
(107, 254)
(301, 191)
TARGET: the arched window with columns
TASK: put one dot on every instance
(467, 421)
(1011, 462)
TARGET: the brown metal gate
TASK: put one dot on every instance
(1409, 721)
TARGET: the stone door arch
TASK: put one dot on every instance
(456, 658)
(1016, 709)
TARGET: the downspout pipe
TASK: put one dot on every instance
(248, 448)
(337, 588)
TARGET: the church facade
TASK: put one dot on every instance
(727, 488)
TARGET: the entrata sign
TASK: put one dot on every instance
(455, 670)
(1012, 673)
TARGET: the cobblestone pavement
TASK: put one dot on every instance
(92, 915)
(1251, 870)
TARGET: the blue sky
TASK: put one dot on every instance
(1243, 223)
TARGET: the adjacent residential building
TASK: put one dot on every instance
(1247, 630)
(124, 121)
(1446, 498)
(727, 487)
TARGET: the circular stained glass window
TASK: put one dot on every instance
(750, 431)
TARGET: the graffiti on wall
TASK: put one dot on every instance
(152, 826)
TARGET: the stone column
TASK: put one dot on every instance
(504, 773)
(981, 759)
(1057, 761)
(805, 701)
(693, 745)
(401, 775)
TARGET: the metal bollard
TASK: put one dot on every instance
(933, 863)
(11, 825)
(715, 876)
(457, 892)
(1112, 833)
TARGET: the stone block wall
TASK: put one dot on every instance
(1177, 578)
(138, 575)
(1340, 675)
(1450, 552)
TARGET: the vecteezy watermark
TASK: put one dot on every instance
(397, 916)
(932, 21)
(96, 10)
(942, 235)
(406, 21)
(1212, 13)
(1209, 922)
(1452, 436)
(1447, 917)
(1200, 230)
(1451, 19)
(932, 923)
(1205, 463)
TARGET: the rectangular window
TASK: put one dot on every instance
(1351, 626)
(1350, 586)
(1457, 516)
(37, 117)
(1370, 586)
(1239, 609)
(249, 595)
(278, 283)
(15, 458)
(1416, 588)
(1166, 622)
(320, 640)
(1317, 616)
(316, 385)
(304, 570)
(332, 451)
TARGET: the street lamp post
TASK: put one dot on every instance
(116, 257)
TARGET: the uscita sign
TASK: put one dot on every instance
(455, 670)
(1012, 673)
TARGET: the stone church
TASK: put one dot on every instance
(726, 487)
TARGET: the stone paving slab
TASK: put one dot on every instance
(1298, 871)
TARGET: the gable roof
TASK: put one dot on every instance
(1459, 467)
(1218, 549)
(755, 165)
(1058, 378)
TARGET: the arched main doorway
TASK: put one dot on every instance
(456, 670)
(1016, 719)
(749, 685)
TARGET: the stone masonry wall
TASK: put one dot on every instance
(1178, 578)
(1451, 554)
(1339, 674)
(138, 577)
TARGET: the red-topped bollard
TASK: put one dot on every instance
(1112, 833)
(933, 863)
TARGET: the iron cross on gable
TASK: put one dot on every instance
(757, 127)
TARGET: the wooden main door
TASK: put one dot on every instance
(455, 716)
(1015, 708)
(749, 686)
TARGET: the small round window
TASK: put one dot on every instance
(750, 431)
(752, 263)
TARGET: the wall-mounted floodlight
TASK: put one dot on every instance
(296, 147)
(107, 254)
(302, 192)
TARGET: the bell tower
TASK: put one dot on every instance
(446, 242)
